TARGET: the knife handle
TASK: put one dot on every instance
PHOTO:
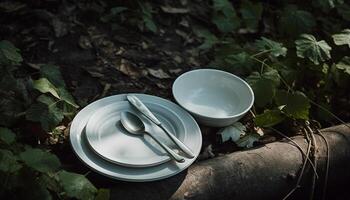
(180, 144)
(171, 153)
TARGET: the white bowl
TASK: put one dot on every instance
(215, 98)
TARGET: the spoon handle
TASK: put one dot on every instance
(172, 153)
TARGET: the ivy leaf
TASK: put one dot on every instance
(8, 162)
(76, 186)
(225, 17)
(251, 13)
(44, 86)
(248, 140)
(7, 136)
(274, 48)
(209, 39)
(53, 74)
(46, 112)
(342, 38)
(264, 86)
(233, 132)
(9, 54)
(296, 105)
(344, 64)
(294, 21)
(40, 160)
(269, 118)
(316, 51)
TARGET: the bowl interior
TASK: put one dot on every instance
(212, 93)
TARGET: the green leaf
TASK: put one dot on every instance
(344, 64)
(342, 38)
(103, 194)
(294, 22)
(9, 54)
(264, 86)
(225, 17)
(40, 160)
(251, 13)
(46, 113)
(274, 48)
(269, 118)
(248, 140)
(316, 51)
(150, 25)
(8, 162)
(67, 97)
(209, 39)
(224, 23)
(44, 86)
(146, 9)
(76, 186)
(7, 136)
(53, 74)
(233, 132)
(296, 105)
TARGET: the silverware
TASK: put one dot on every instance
(144, 110)
(133, 124)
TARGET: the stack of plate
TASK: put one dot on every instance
(101, 142)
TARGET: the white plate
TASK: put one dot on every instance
(112, 142)
(81, 147)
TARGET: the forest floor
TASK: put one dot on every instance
(99, 57)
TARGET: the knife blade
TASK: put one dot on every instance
(137, 103)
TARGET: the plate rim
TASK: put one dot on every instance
(163, 159)
(76, 125)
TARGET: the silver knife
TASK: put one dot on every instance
(144, 110)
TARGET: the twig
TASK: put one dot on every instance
(298, 146)
(327, 165)
(302, 169)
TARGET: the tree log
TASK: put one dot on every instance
(266, 172)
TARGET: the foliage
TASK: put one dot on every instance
(316, 51)
(26, 171)
(342, 38)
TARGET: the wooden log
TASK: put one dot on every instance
(265, 172)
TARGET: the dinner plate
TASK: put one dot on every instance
(82, 149)
(108, 138)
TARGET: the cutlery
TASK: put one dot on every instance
(144, 110)
(134, 125)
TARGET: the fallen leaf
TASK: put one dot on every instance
(128, 69)
(207, 153)
(172, 10)
(178, 59)
(175, 71)
(60, 28)
(158, 73)
(84, 42)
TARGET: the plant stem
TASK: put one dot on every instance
(324, 192)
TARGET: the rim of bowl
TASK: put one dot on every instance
(216, 71)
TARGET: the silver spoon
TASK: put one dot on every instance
(133, 124)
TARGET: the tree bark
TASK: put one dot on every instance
(265, 172)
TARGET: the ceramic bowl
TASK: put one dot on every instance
(215, 98)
